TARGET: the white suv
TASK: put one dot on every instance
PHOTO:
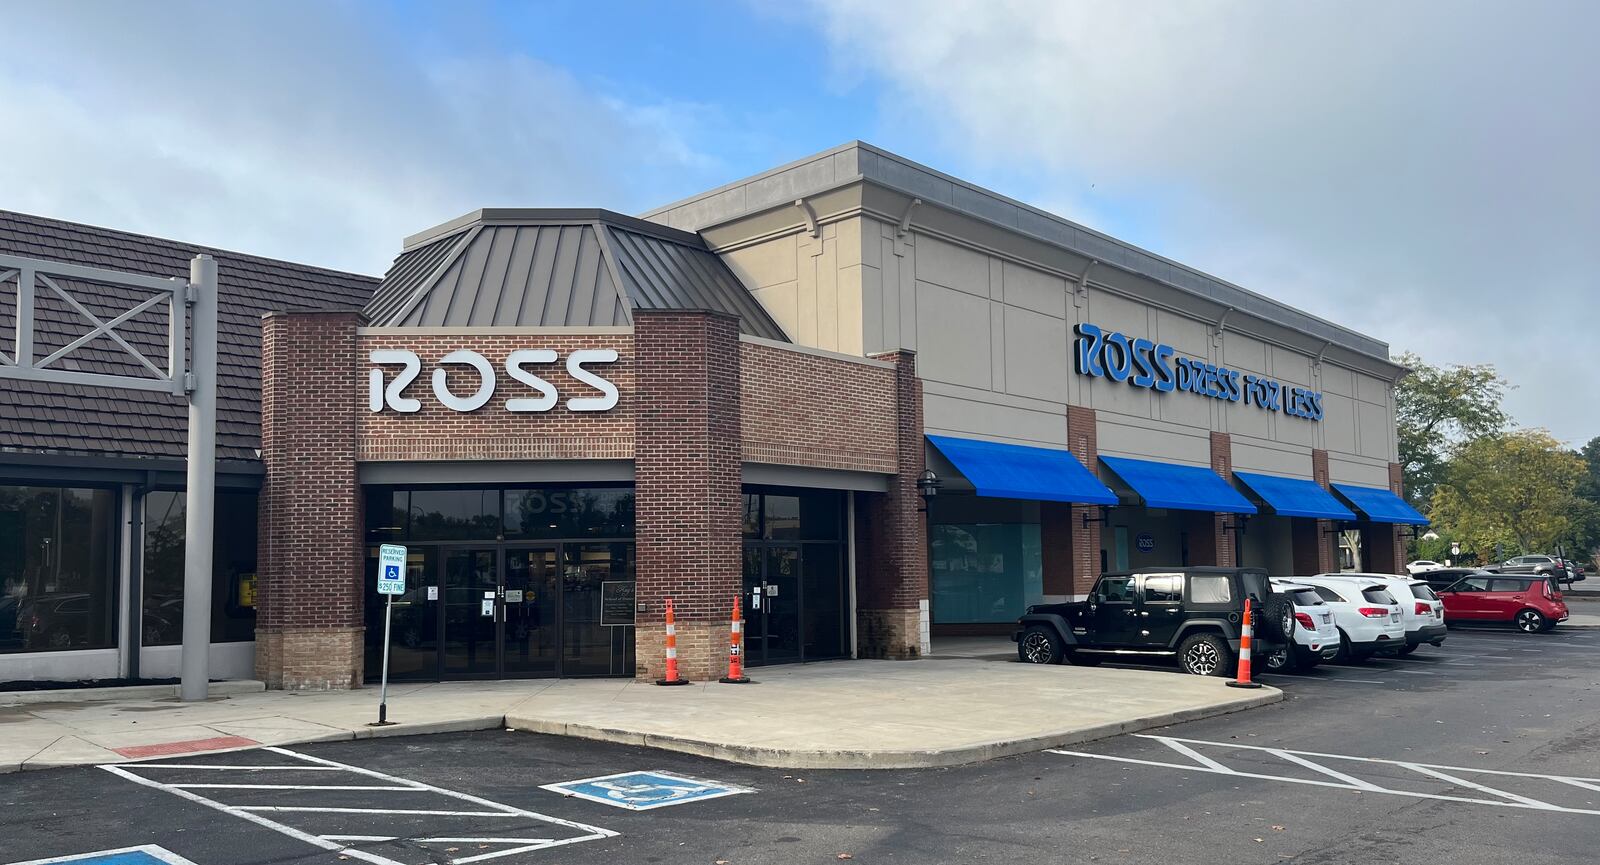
(1420, 609)
(1367, 616)
(1315, 635)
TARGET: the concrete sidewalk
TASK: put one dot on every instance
(843, 714)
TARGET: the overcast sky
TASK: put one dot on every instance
(1425, 172)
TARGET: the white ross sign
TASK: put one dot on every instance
(391, 569)
(391, 396)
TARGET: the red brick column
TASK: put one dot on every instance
(687, 485)
(309, 586)
(1313, 540)
(892, 537)
(1209, 542)
(1383, 547)
(1084, 560)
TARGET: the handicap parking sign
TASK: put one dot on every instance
(641, 791)
(391, 569)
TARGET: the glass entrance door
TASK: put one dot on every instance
(772, 602)
(530, 596)
(470, 609)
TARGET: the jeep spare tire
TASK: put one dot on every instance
(1276, 621)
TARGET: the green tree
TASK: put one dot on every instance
(1517, 488)
(1436, 409)
(1585, 540)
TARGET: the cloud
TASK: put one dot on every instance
(314, 132)
(1421, 171)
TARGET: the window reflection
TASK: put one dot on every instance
(57, 581)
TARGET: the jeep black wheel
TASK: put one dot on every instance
(1205, 655)
(1039, 645)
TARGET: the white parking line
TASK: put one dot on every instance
(1344, 781)
(340, 843)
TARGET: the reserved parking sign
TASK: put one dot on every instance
(391, 569)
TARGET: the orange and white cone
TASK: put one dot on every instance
(736, 674)
(1245, 637)
(672, 677)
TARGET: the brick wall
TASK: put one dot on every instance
(1084, 442)
(1211, 536)
(435, 432)
(687, 483)
(1314, 541)
(892, 536)
(309, 592)
(799, 408)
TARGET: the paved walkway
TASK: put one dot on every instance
(844, 714)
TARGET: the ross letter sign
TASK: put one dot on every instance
(1157, 366)
(517, 363)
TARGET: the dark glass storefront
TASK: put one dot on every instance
(58, 581)
(504, 582)
(796, 602)
(233, 568)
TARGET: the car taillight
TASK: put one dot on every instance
(1424, 608)
(1305, 621)
(1374, 612)
(1550, 593)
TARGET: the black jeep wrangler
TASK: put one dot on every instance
(1195, 613)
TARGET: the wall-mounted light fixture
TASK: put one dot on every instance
(928, 485)
(1105, 516)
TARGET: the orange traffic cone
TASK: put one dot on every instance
(736, 674)
(1245, 635)
(672, 677)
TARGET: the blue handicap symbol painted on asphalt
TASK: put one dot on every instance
(147, 854)
(641, 791)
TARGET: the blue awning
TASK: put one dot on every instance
(1380, 505)
(1295, 497)
(1021, 472)
(1184, 488)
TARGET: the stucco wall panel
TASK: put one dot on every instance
(952, 266)
(1035, 355)
(953, 328)
(1270, 458)
(1152, 442)
(1034, 290)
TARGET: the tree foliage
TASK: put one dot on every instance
(1437, 408)
(1518, 488)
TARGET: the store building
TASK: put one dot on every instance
(569, 417)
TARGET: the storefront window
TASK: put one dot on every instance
(453, 515)
(985, 572)
(569, 513)
(795, 515)
(233, 568)
(58, 587)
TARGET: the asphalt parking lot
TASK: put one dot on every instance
(1485, 751)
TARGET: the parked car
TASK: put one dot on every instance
(1191, 613)
(1420, 608)
(54, 621)
(1544, 565)
(1531, 602)
(1367, 616)
(1444, 578)
(1421, 565)
(1315, 636)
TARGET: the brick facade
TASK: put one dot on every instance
(309, 591)
(1315, 544)
(686, 482)
(892, 537)
(1212, 536)
(1383, 545)
(1085, 542)
(435, 432)
(696, 402)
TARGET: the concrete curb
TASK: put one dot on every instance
(795, 758)
(130, 692)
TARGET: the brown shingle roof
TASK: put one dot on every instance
(37, 417)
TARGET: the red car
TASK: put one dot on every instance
(1532, 603)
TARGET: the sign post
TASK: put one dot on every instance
(391, 582)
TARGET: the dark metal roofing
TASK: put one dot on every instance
(37, 417)
(500, 268)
